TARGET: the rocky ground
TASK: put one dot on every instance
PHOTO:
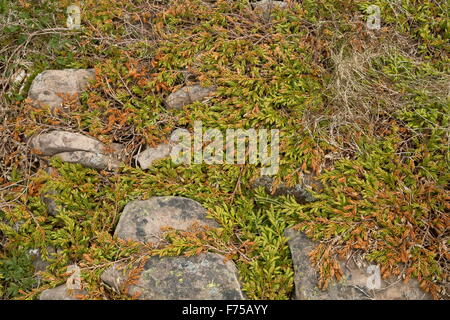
(206, 276)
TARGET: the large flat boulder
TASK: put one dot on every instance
(50, 86)
(357, 282)
(142, 220)
(203, 277)
(206, 276)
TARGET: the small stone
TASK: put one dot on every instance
(48, 197)
(48, 87)
(299, 192)
(52, 207)
(90, 159)
(115, 277)
(355, 284)
(51, 143)
(265, 182)
(188, 95)
(62, 293)
(74, 280)
(39, 263)
(267, 6)
(150, 155)
(142, 220)
(203, 277)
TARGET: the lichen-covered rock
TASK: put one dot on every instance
(51, 143)
(90, 159)
(142, 220)
(150, 155)
(203, 277)
(188, 95)
(356, 283)
(206, 276)
(299, 191)
(62, 293)
(48, 88)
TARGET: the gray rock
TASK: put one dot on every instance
(51, 143)
(48, 197)
(355, 283)
(62, 293)
(150, 155)
(143, 220)
(203, 277)
(39, 263)
(115, 277)
(76, 148)
(267, 6)
(2, 236)
(299, 191)
(188, 95)
(264, 182)
(206, 276)
(90, 159)
(48, 87)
